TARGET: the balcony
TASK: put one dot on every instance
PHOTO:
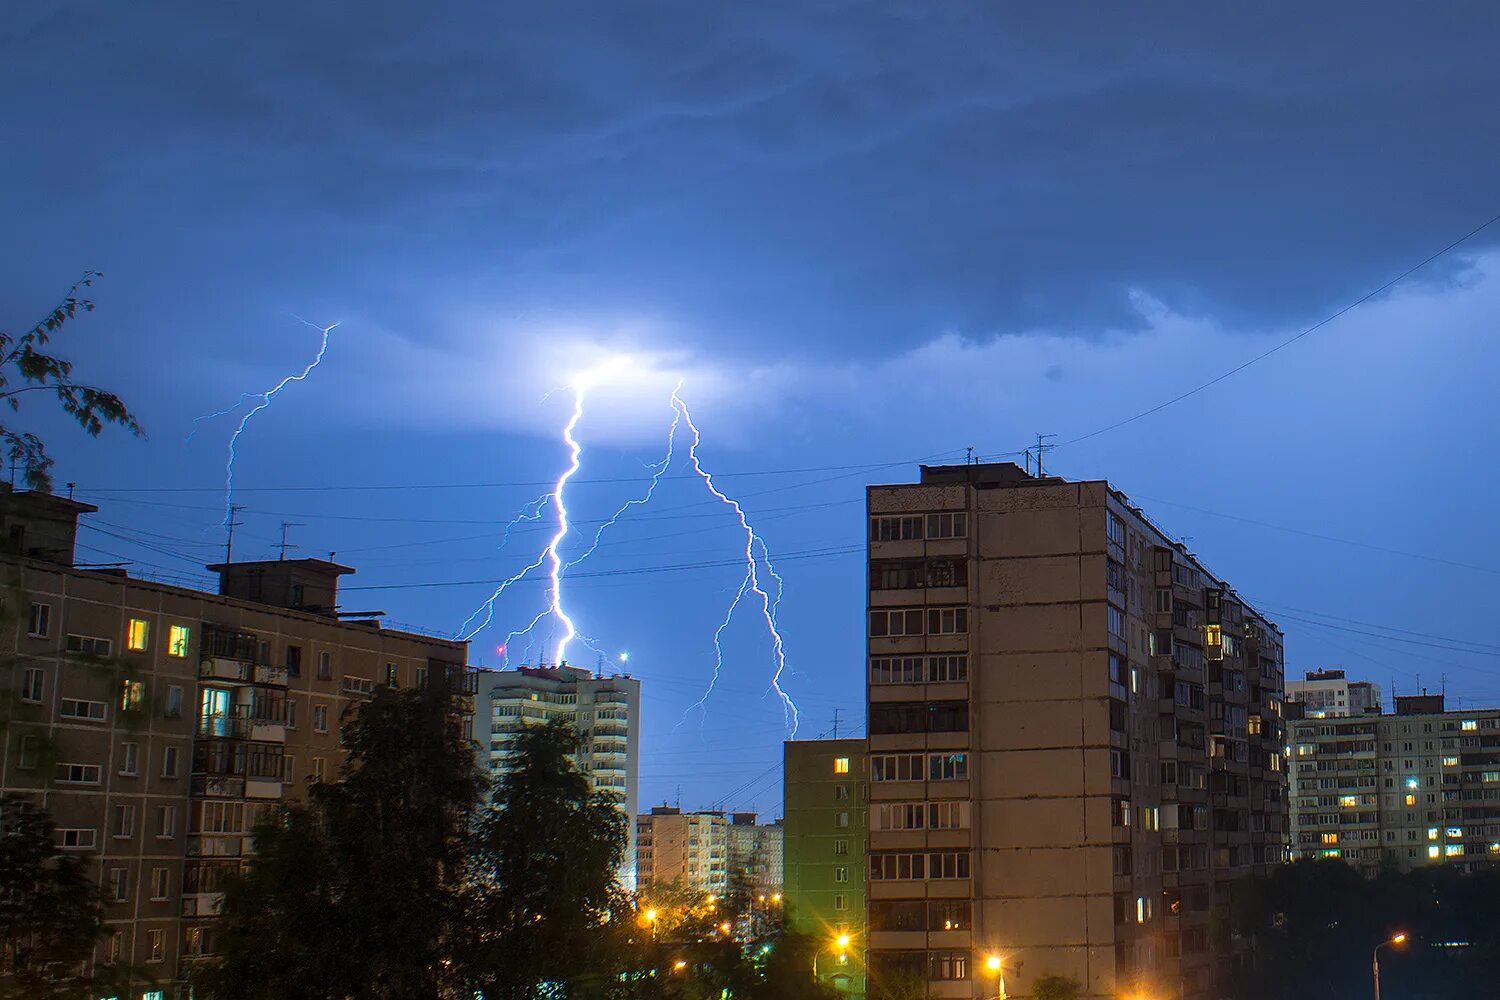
(202, 904)
(264, 789)
(218, 786)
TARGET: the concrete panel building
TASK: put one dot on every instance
(156, 723)
(1418, 787)
(755, 852)
(682, 850)
(1328, 693)
(605, 710)
(826, 803)
(1075, 741)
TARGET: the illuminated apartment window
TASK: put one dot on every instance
(841, 765)
(1348, 801)
(1454, 831)
(1470, 725)
(1432, 833)
(136, 635)
(132, 695)
(1433, 851)
(1330, 838)
(1450, 761)
(1453, 850)
(1411, 800)
(177, 641)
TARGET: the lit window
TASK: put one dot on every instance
(1454, 831)
(1470, 725)
(132, 694)
(841, 765)
(135, 636)
(1411, 800)
(177, 640)
(1453, 850)
(1432, 833)
(1330, 838)
(1348, 801)
(1331, 852)
(1433, 851)
(1450, 761)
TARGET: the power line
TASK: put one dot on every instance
(1290, 340)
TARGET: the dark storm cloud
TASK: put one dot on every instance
(855, 175)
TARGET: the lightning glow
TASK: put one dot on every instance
(750, 583)
(264, 400)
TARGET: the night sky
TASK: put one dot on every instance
(862, 235)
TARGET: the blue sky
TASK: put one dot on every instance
(862, 234)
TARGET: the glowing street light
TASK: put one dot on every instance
(1395, 941)
(994, 965)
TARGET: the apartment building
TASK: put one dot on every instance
(755, 852)
(605, 710)
(156, 723)
(1075, 741)
(1418, 787)
(1328, 693)
(674, 849)
(826, 802)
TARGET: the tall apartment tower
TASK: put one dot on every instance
(686, 850)
(605, 710)
(1415, 788)
(1075, 741)
(156, 723)
(826, 801)
(1327, 693)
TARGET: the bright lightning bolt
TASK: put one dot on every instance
(265, 399)
(750, 584)
(575, 461)
(657, 470)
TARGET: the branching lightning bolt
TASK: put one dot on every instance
(263, 400)
(750, 584)
(657, 470)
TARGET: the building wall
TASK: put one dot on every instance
(263, 751)
(826, 802)
(682, 850)
(1407, 789)
(1050, 744)
(1324, 696)
(606, 712)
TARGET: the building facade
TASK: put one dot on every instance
(755, 852)
(678, 850)
(1327, 693)
(157, 723)
(1075, 741)
(826, 802)
(606, 712)
(1418, 787)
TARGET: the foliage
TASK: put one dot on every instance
(900, 983)
(1313, 925)
(26, 367)
(548, 912)
(1056, 988)
(360, 894)
(51, 913)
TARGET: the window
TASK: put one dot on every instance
(39, 625)
(77, 839)
(320, 718)
(89, 645)
(178, 637)
(294, 661)
(1116, 622)
(156, 944)
(318, 768)
(841, 873)
(160, 883)
(841, 765)
(895, 529)
(32, 685)
(897, 622)
(419, 677)
(390, 675)
(1114, 528)
(76, 774)
(85, 711)
(1119, 764)
(136, 634)
(169, 762)
(1470, 725)
(30, 753)
(173, 707)
(114, 946)
(841, 847)
(124, 822)
(357, 685)
(948, 525)
(948, 767)
(132, 695)
(840, 902)
(945, 669)
(947, 621)
(119, 884)
(841, 792)
(129, 758)
(896, 670)
(841, 820)
(325, 666)
(947, 965)
(166, 822)
(291, 714)
(288, 769)
(896, 767)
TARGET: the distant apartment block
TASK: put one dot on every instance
(1418, 787)
(826, 802)
(674, 849)
(755, 852)
(1328, 693)
(157, 723)
(1075, 741)
(605, 711)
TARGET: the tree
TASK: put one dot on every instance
(25, 367)
(549, 914)
(1056, 988)
(51, 912)
(361, 893)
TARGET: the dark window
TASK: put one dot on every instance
(1117, 715)
(294, 660)
(919, 717)
(898, 915)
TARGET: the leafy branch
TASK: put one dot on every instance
(26, 367)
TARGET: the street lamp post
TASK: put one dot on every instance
(995, 965)
(1395, 941)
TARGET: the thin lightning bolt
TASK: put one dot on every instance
(657, 470)
(265, 399)
(751, 583)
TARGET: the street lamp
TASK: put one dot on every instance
(1394, 942)
(994, 965)
(841, 943)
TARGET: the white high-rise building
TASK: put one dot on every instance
(606, 711)
(1329, 694)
